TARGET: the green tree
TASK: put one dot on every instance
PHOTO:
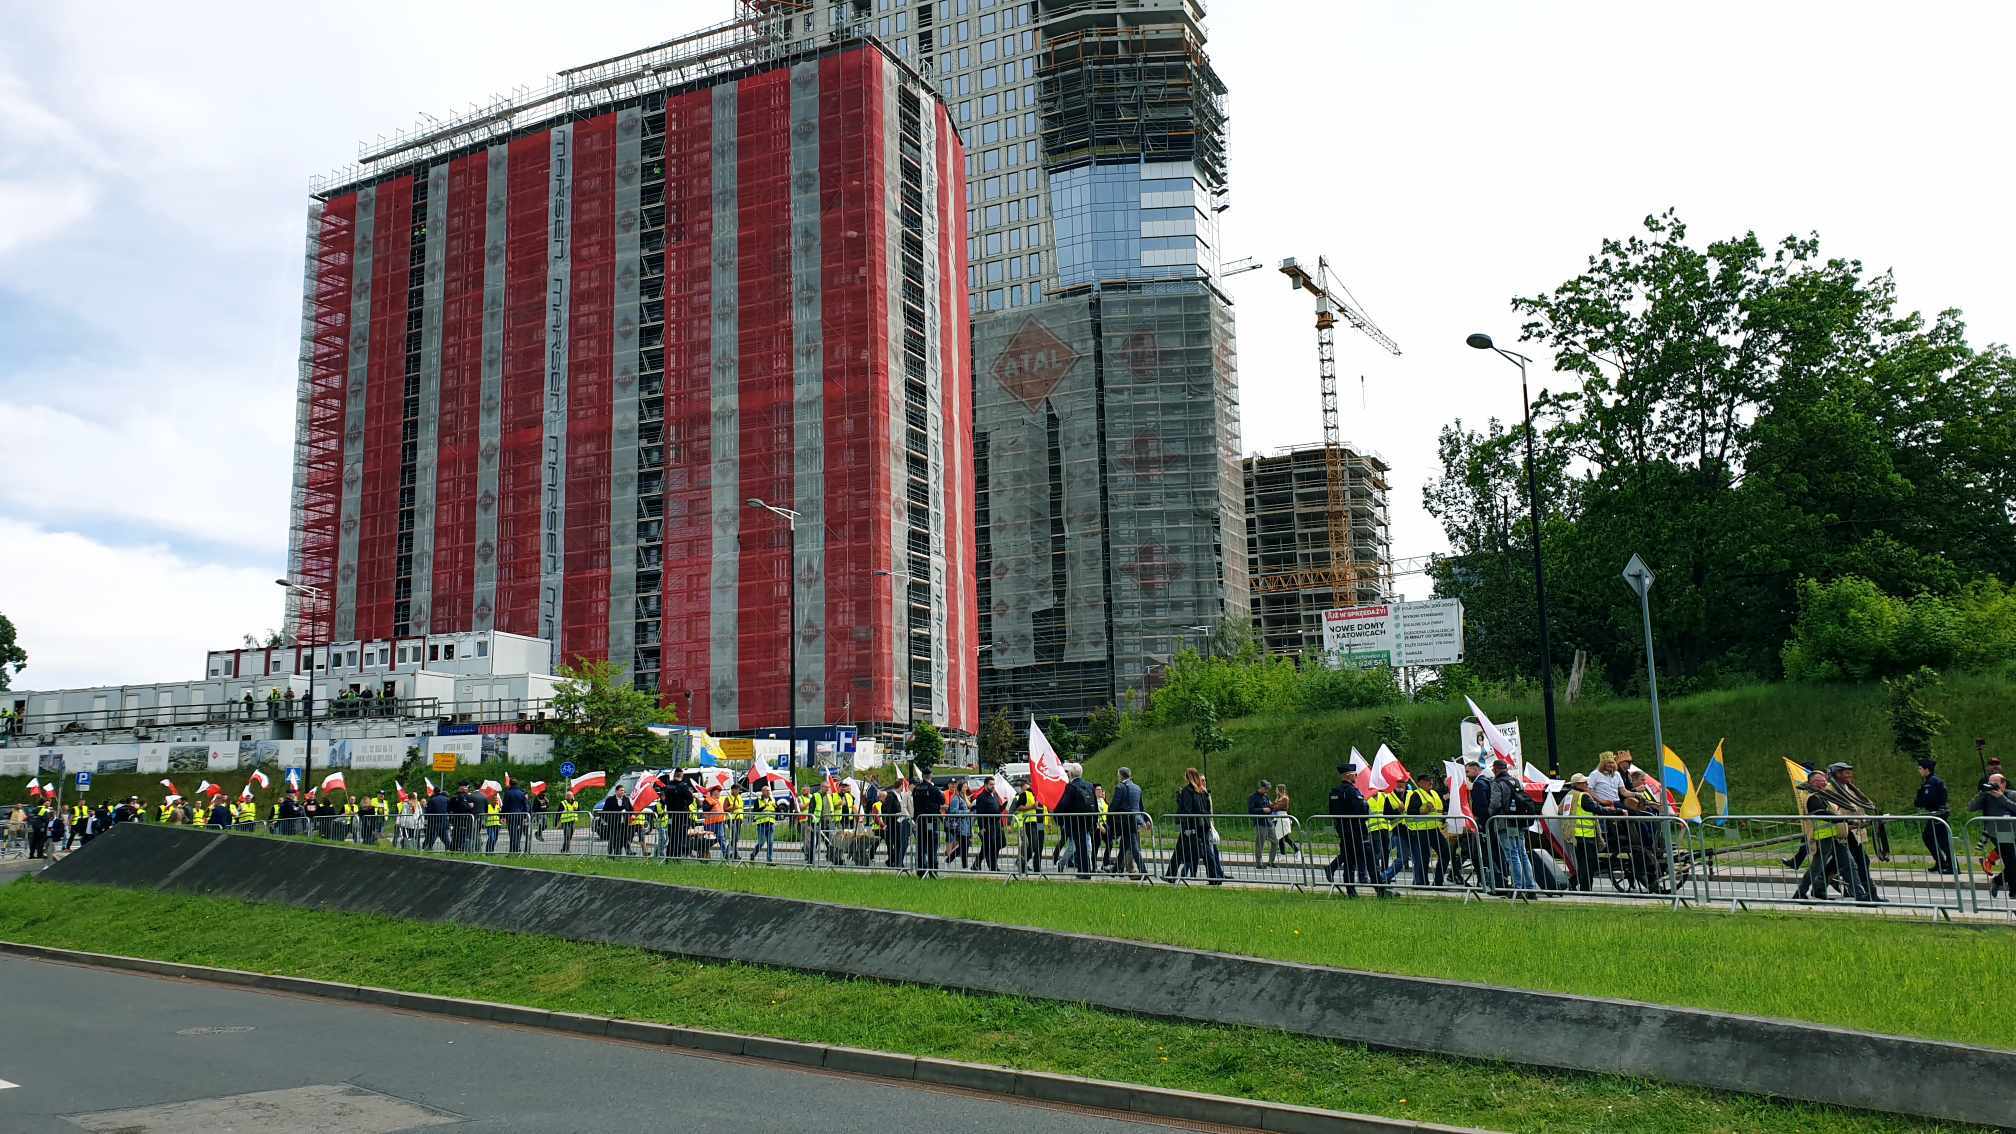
(1744, 415)
(926, 746)
(1102, 729)
(602, 721)
(1913, 726)
(997, 741)
(1392, 732)
(13, 659)
(1205, 735)
(1068, 744)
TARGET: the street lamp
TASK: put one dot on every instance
(307, 703)
(1482, 341)
(790, 519)
(910, 686)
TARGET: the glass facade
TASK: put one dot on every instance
(1148, 220)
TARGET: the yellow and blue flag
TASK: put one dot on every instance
(1717, 777)
(1679, 783)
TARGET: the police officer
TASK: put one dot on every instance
(1933, 801)
(1348, 809)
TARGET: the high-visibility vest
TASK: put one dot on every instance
(766, 812)
(167, 812)
(1102, 811)
(733, 802)
(492, 817)
(1431, 811)
(636, 819)
(350, 811)
(570, 813)
(1033, 811)
(1379, 805)
(1583, 826)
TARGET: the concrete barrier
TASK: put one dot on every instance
(1737, 1053)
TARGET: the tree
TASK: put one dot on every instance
(602, 721)
(1205, 735)
(1102, 729)
(1913, 726)
(1392, 732)
(1744, 415)
(13, 659)
(1062, 739)
(997, 741)
(271, 639)
(927, 746)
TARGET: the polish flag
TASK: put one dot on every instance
(760, 771)
(647, 793)
(172, 793)
(1361, 773)
(208, 788)
(1387, 770)
(538, 787)
(259, 777)
(333, 782)
(490, 788)
(1536, 783)
(429, 783)
(717, 777)
(1461, 821)
(582, 781)
(1003, 789)
(1046, 771)
(1501, 748)
(400, 788)
(246, 791)
(34, 789)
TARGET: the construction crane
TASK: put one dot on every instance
(1333, 300)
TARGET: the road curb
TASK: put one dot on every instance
(1007, 1082)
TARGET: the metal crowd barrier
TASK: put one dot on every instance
(1630, 856)
(1991, 859)
(1873, 860)
(1248, 849)
(1351, 851)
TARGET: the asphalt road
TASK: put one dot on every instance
(96, 1050)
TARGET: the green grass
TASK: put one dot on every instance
(1761, 723)
(1910, 978)
(450, 960)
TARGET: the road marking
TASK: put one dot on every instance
(7, 1086)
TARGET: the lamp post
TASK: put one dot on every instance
(909, 686)
(790, 519)
(307, 703)
(1482, 341)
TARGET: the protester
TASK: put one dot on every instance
(1078, 810)
(1423, 825)
(988, 817)
(958, 824)
(1828, 832)
(516, 809)
(1997, 808)
(1508, 798)
(1034, 817)
(1131, 818)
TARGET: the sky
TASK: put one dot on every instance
(1445, 155)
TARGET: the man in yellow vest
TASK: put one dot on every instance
(1582, 829)
(1424, 816)
(350, 813)
(766, 826)
(1034, 818)
(1381, 806)
(570, 817)
(493, 823)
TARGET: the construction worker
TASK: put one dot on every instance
(570, 817)
(1034, 819)
(493, 823)
(1424, 815)
(766, 826)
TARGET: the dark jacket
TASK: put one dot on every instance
(926, 799)
(1190, 804)
(1505, 792)
(1480, 799)
(987, 805)
(1126, 796)
(437, 804)
(1346, 799)
(1078, 807)
(1998, 816)
(678, 797)
(1932, 796)
(514, 801)
(291, 809)
(1256, 804)
(220, 815)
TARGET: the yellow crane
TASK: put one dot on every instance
(1333, 301)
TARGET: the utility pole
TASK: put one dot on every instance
(1640, 577)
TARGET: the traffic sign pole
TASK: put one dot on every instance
(1640, 577)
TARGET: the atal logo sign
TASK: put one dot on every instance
(1033, 362)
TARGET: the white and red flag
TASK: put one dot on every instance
(491, 788)
(333, 782)
(259, 777)
(760, 772)
(1361, 774)
(34, 789)
(538, 787)
(1046, 771)
(1387, 770)
(1460, 820)
(1003, 790)
(172, 793)
(584, 780)
(401, 789)
(1501, 748)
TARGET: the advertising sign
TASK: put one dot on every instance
(1395, 634)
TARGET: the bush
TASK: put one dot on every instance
(1850, 629)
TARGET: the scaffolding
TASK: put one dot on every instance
(1288, 541)
(1138, 92)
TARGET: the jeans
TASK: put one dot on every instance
(1031, 858)
(766, 834)
(721, 841)
(1512, 848)
(1401, 846)
(1128, 840)
(490, 839)
(516, 822)
(1081, 852)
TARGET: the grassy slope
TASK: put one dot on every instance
(1913, 978)
(1818, 723)
(616, 981)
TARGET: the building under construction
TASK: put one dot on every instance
(1288, 545)
(554, 349)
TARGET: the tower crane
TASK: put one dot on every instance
(1333, 301)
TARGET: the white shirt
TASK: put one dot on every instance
(1606, 786)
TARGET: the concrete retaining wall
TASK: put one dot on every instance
(1759, 1056)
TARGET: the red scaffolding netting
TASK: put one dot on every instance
(395, 333)
(459, 433)
(683, 663)
(328, 352)
(522, 410)
(584, 631)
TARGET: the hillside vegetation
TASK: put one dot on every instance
(1760, 724)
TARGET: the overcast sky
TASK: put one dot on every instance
(1445, 156)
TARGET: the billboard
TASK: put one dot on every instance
(1395, 634)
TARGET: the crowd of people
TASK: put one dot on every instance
(1613, 819)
